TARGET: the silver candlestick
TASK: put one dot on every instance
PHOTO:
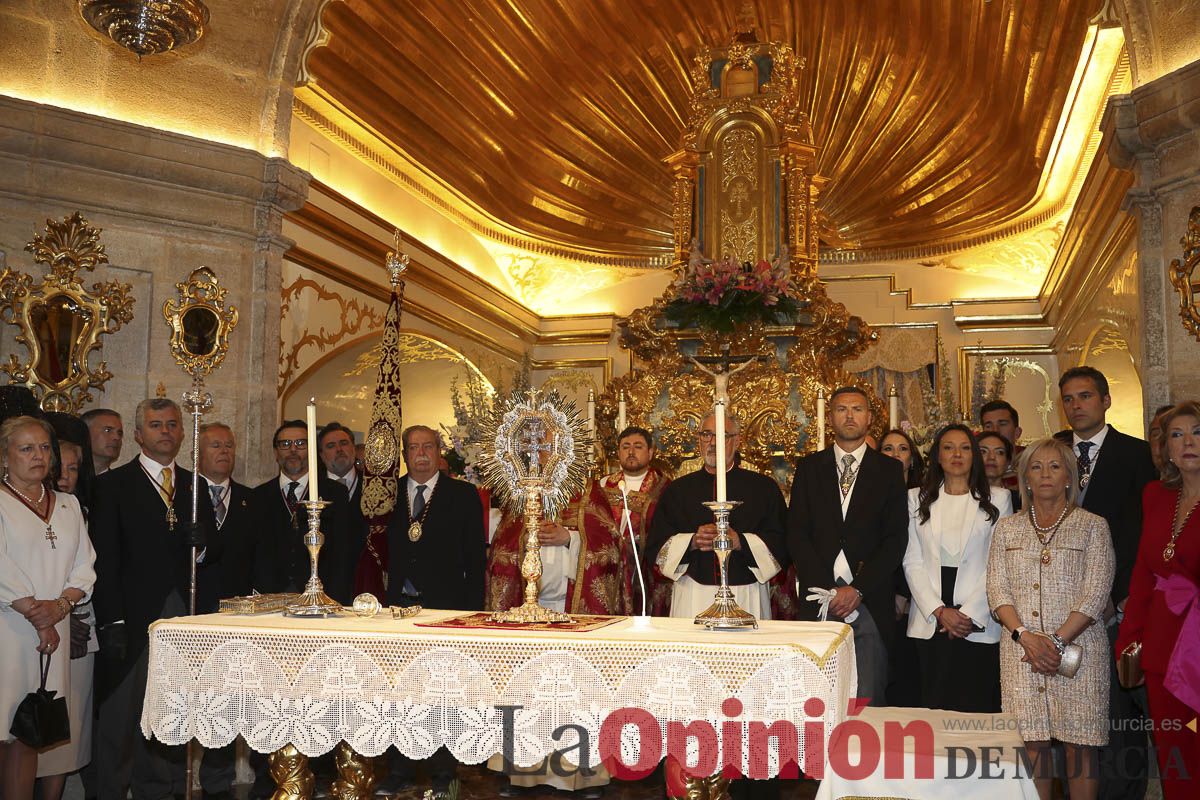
(724, 613)
(314, 602)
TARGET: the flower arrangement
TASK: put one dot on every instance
(721, 295)
(462, 438)
(473, 401)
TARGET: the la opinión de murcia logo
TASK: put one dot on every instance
(853, 750)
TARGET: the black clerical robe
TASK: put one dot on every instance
(759, 520)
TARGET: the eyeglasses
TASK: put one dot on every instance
(708, 436)
(284, 444)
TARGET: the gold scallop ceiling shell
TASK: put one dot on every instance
(935, 116)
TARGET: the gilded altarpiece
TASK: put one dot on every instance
(745, 187)
(745, 173)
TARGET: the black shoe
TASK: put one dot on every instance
(225, 795)
(592, 793)
(509, 790)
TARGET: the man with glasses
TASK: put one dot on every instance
(679, 548)
(283, 521)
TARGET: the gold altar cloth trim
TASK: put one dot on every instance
(376, 683)
(580, 623)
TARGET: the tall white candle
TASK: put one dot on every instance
(621, 413)
(591, 412)
(893, 408)
(821, 418)
(719, 414)
(312, 449)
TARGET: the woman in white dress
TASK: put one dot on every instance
(55, 764)
(46, 562)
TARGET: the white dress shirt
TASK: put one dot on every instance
(429, 485)
(349, 480)
(841, 564)
(155, 469)
(301, 490)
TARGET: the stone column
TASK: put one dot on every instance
(167, 204)
(1155, 132)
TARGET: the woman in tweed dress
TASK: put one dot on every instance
(1050, 572)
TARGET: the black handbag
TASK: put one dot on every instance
(41, 720)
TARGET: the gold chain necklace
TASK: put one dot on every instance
(1040, 532)
(416, 527)
(1176, 526)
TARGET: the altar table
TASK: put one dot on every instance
(375, 683)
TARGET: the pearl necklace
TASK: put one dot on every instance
(1040, 532)
(24, 496)
(33, 508)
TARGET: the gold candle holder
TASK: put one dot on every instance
(531, 565)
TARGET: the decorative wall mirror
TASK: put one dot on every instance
(200, 323)
(61, 322)
(1184, 277)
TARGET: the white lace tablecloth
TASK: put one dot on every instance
(379, 683)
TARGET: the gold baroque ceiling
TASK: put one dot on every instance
(552, 117)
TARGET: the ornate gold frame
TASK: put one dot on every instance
(200, 291)
(68, 246)
(1183, 276)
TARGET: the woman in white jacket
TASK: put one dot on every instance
(951, 517)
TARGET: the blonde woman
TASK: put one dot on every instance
(1049, 574)
(46, 563)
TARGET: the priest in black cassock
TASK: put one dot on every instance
(682, 531)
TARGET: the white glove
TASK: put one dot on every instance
(825, 597)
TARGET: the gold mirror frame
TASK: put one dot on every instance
(200, 292)
(1183, 276)
(68, 246)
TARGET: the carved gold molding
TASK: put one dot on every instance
(61, 322)
(1183, 276)
(353, 315)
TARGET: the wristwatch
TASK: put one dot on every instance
(1017, 631)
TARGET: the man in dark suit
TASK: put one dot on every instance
(1114, 468)
(232, 575)
(847, 532)
(335, 446)
(143, 533)
(281, 560)
(436, 543)
(436, 551)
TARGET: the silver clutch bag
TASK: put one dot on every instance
(1072, 657)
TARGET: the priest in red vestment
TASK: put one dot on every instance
(583, 571)
(632, 493)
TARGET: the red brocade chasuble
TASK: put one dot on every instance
(601, 581)
(641, 509)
